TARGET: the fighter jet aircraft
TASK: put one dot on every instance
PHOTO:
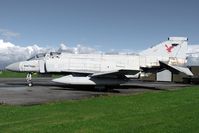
(103, 70)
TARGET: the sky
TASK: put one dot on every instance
(105, 25)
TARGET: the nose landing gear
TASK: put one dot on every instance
(29, 79)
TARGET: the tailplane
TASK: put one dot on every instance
(176, 69)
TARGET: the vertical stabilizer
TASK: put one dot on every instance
(174, 47)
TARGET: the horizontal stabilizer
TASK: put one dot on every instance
(176, 69)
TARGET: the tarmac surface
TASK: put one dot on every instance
(14, 91)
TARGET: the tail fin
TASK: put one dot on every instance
(175, 47)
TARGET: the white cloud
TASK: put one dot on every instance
(193, 55)
(193, 49)
(10, 53)
(8, 35)
(79, 49)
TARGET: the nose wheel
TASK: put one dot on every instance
(29, 84)
(29, 79)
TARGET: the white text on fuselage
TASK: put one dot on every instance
(32, 66)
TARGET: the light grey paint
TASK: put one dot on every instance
(165, 75)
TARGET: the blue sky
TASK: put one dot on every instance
(101, 24)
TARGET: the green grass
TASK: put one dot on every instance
(160, 112)
(9, 74)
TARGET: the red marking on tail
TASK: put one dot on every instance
(169, 48)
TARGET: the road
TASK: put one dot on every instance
(14, 91)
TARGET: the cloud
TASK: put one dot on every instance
(8, 35)
(193, 49)
(10, 53)
(79, 49)
(193, 55)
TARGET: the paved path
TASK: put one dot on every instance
(14, 91)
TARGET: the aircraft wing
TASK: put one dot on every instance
(115, 74)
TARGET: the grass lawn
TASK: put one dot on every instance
(8, 74)
(160, 112)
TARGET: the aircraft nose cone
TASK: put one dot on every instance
(13, 67)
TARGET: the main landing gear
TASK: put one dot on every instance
(29, 79)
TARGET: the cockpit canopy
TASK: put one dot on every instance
(44, 55)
